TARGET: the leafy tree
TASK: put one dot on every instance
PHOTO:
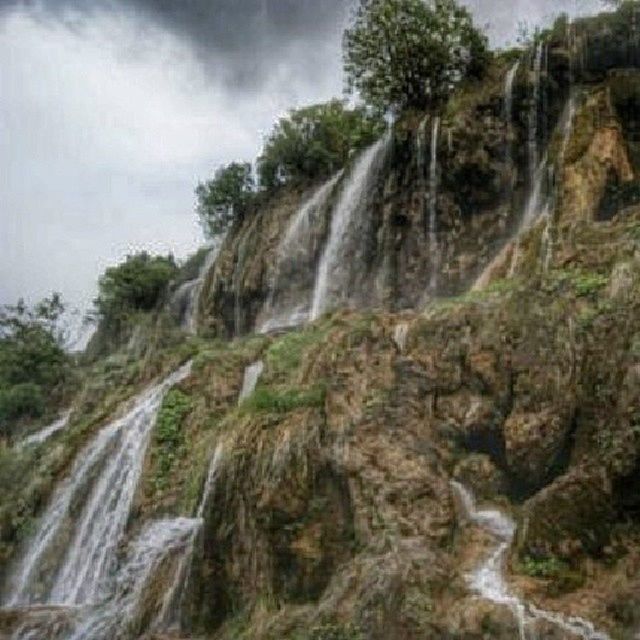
(33, 363)
(315, 142)
(225, 199)
(410, 53)
(136, 285)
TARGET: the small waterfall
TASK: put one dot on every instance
(508, 107)
(400, 336)
(194, 289)
(251, 377)
(288, 302)
(489, 582)
(72, 558)
(156, 554)
(534, 113)
(348, 225)
(434, 250)
(421, 148)
(47, 432)
(172, 604)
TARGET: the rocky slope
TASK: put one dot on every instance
(324, 499)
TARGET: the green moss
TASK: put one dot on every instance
(330, 632)
(559, 575)
(285, 400)
(168, 435)
(285, 355)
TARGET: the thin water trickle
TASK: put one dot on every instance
(288, 301)
(72, 558)
(349, 223)
(190, 318)
(251, 377)
(508, 107)
(434, 250)
(489, 581)
(47, 432)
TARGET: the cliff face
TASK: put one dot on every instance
(326, 471)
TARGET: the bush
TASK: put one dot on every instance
(168, 434)
(33, 363)
(401, 54)
(224, 200)
(284, 401)
(315, 142)
(136, 285)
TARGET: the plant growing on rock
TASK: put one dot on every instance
(401, 54)
(315, 142)
(33, 363)
(224, 200)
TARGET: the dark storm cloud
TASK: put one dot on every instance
(239, 41)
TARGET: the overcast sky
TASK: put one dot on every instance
(111, 110)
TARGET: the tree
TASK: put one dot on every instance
(225, 199)
(402, 54)
(136, 285)
(315, 142)
(33, 363)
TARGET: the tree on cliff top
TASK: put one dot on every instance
(401, 54)
(225, 198)
(316, 141)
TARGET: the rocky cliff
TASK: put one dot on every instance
(486, 344)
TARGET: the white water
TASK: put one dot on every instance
(434, 251)
(44, 434)
(400, 336)
(489, 582)
(161, 547)
(349, 222)
(285, 308)
(190, 318)
(251, 377)
(508, 107)
(534, 113)
(72, 558)
(421, 149)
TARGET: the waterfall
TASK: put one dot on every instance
(72, 557)
(489, 582)
(349, 226)
(534, 114)
(421, 148)
(508, 108)
(158, 550)
(434, 251)
(195, 288)
(400, 336)
(47, 432)
(288, 302)
(251, 376)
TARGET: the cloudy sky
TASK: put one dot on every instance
(111, 110)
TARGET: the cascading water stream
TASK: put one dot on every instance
(251, 377)
(47, 432)
(489, 582)
(72, 558)
(349, 226)
(434, 250)
(508, 108)
(190, 318)
(288, 302)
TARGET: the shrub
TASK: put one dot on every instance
(315, 142)
(33, 363)
(284, 401)
(136, 285)
(225, 199)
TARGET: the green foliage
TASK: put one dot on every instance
(33, 363)
(561, 578)
(224, 200)
(315, 142)
(169, 437)
(284, 400)
(285, 355)
(403, 54)
(136, 285)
